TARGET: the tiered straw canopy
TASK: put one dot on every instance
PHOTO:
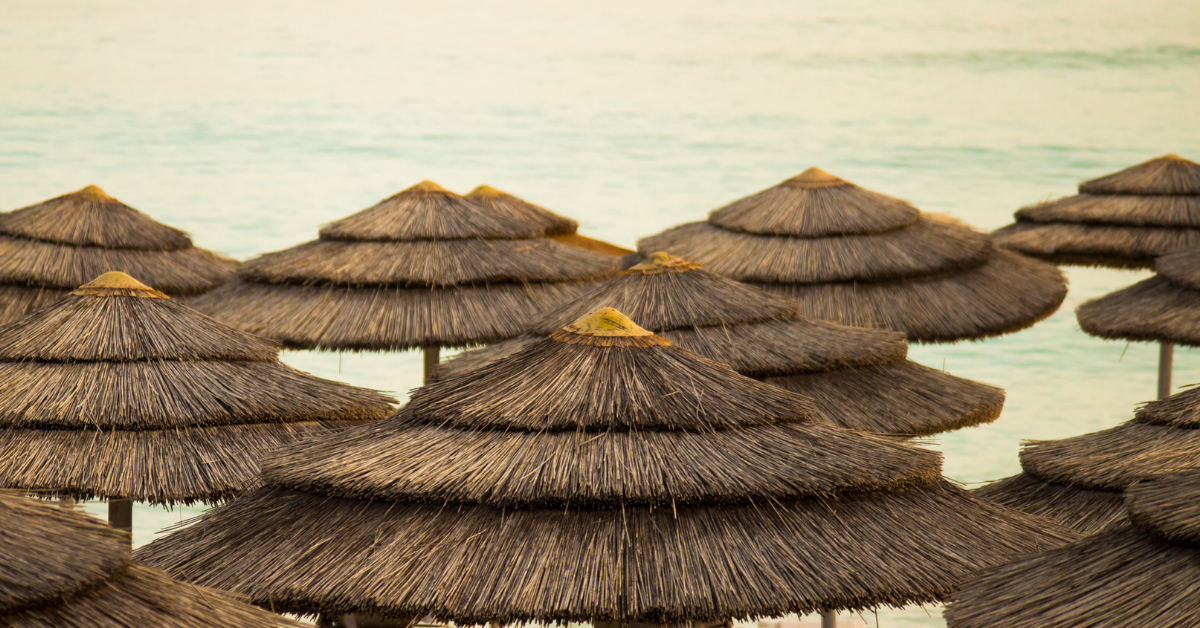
(861, 258)
(558, 228)
(856, 378)
(1078, 481)
(62, 568)
(119, 392)
(1162, 308)
(48, 249)
(1142, 573)
(423, 268)
(1122, 220)
(599, 474)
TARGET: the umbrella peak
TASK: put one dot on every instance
(607, 327)
(661, 262)
(814, 178)
(117, 283)
(486, 191)
(93, 193)
(428, 187)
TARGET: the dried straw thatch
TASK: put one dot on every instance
(48, 249)
(856, 378)
(600, 474)
(424, 268)
(1162, 308)
(119, 392)
(558, 228)
(1078, 481)
(64, 569)
(861, 258)
(1143, 573)
(1123, 220)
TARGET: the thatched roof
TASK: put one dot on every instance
(48, 249)
(856, 378)
(509, 205)
(1142, 573)
(426, 267)
(1078, 481)
(1162, 308)
(861, 258)
(1123, 220)
(61, 568)
(118, 391)
(598, 474)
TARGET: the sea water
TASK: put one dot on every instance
(249, 124)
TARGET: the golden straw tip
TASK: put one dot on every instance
(93, 192)
(486, 191)
(814, 178)
(427, 186)
(607, 322)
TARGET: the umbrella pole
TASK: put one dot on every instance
(120, 516)
(829, 619)
(431, 361)
(1166, 359)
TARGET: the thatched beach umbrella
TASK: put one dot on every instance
(600, 474)
(1078, 481)
(1122, 220)
(860, 258)
(1142, 573)
(426, 268)
(64, 569)
(121, 393)
(559, 228)
(48, 249)
(856, 378)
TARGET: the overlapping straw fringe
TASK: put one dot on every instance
(382, 318)
(432, 464)
(1180, 410)
(1139, 211)
(554, 385)
(180, 466)
(1169, 174)
(428, 263)
(904, 398)
(1168, 508)
(16, 302)
(473, 564)
(1182, 269)
(1007, 294)
(929, 245)
(1086, 511)
(427, 211)
(508, 205)
(91, 218)
(80, 327)
(1115, 458)
(815, 209)
(1108, 246)
(45, 264)
(49, 552)
(1152, 310)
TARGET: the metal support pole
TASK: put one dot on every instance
(431, 362)
(120, 516)
(1166, 359)
(829, 619)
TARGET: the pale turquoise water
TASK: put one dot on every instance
(249, 124)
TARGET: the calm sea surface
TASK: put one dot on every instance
(250, 124)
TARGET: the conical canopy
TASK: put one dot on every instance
(1078, 481)
(1123, 220)
(48, 249)
(599, 474)
(119, 392)
(1142, 573)
(856, 378)
(1162, 308)
(558, 228)
(861, 258)
(423, 268)
(64, 569)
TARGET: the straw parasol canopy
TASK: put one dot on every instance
(65, 569)
(1078, 481)
(1162, 308)
(1122, 220)
(558, 228)
(1142, 573)
(48, 249)
(860, 258)
(600, 474)
(424, 268)
(856, 378)
(119, 392)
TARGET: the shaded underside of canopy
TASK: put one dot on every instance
(475, 564)
(1149, 311)
(1108, 246)
(1086, 511)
